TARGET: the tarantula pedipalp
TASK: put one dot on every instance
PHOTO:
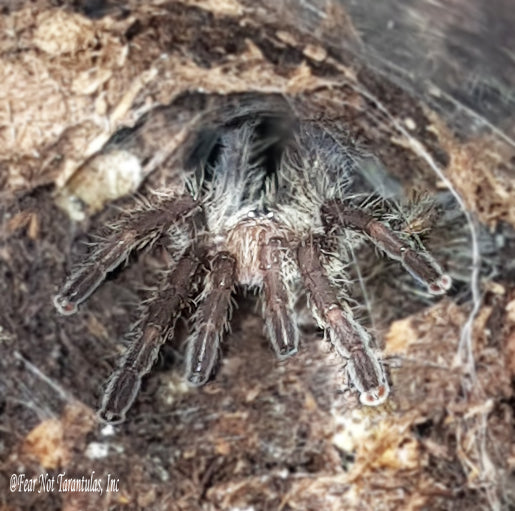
(258, 198)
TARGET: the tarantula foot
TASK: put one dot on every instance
(367, 375)
(110, 417)
(441, 285)
(119, 396)
(375, 396)
(287, 351)
(64, 306)
(201, 359)
(197, 378)
(283, 335)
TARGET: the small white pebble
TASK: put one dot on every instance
(410, 123)
(96, 451)
(107, 430)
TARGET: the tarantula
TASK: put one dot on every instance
(258, 197)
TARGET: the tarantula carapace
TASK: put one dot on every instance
(259, 196)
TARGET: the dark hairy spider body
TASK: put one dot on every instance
(259, 197)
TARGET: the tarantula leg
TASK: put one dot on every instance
(421, 265)
(350, 339)
(158, 326)
(145, 226)
(282, 330)
(210, 318)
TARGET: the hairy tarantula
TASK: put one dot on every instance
(259, 197)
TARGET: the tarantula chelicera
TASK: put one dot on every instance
(258, 197)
